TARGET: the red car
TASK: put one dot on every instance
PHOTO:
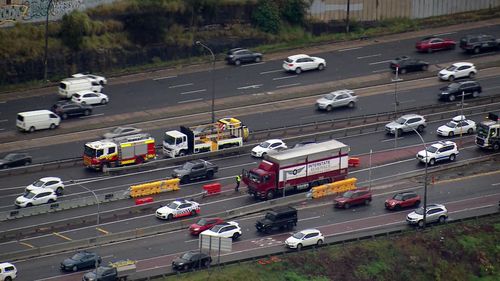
(204, 224)
(402, 200)
(353, 197)
(431, 44)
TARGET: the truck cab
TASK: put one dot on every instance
(261, 180)
(488, 133)
(175, 144)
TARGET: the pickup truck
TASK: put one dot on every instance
(277, 218)
(195, 169)
(115, 271)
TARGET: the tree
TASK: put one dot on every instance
(267, 16)
(294, 11)
(74, 26)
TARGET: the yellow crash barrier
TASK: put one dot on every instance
(154, 187)
(334, 188)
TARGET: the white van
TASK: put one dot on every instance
(30, 121)
(8, 271)
(69, 86)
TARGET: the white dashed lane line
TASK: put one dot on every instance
(285, 77)
(166, 77)
(181, 85)
(381, 70)
(271, 71)
(193, 92)
(92, 116)
(379, 62)
(349, 49)
(252, 64)
(370, 56)
(256, 86)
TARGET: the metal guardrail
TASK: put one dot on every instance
(62, 205)
(148, 231)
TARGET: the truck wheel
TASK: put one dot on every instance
(236, 235)
(451, 97)
(496, 146)
(32, 129)
(59, 191)
(270, 195)
(452, 157)
(75, 268)
(52, 126)
(182, 153)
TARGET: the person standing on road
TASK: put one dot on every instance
(238, 179)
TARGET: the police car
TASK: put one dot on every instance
(443, 150)
(178, 208)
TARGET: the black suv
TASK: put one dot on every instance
(455, 90)
(479, 43)
(277, 218)
(406, 64)
(67, 108)
(238, 56)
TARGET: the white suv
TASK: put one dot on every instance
(435, 213)
(8, 271)
(443, 150)
(307, 237)
(458, 70)
(229, 229)
(52, 183)
(36, 197)
(299, 63)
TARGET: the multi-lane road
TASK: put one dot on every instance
(388, 165)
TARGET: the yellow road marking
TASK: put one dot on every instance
(27, 245)
(102, 230)
(467, 177)
(62, 236)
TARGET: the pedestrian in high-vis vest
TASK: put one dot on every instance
(238, 179)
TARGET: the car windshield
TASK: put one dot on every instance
(432, 149)
(254, 177)
(10, 156)
(173, 205)
(117, 130)
(78, 256)
(187, 256)
(29, 195)
(329, 97)
(265, 144)
(401, 121)
(298, 235)
(270, 216)
(482, 130)
(451, 124)
(38, 183)
(398, 197)
(76, 95)
(348, 194)
(202, 222)
(288, 60)
(419, 211)
(451, 68)
(100, 270)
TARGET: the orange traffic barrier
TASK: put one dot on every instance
(353, 162)
(140, 201)
(212, 189)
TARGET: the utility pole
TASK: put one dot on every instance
(396, 103)
(46, 41)
(347, 16)
(213, 77)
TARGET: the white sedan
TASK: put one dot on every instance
(308, 237)
(299, 63)
(268, 146)
(100, 79)
(458, 125)
(89, 97)
(229, 229)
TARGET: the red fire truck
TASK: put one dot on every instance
(133, 149)
(298, 169)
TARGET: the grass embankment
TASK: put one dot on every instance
(458, 251)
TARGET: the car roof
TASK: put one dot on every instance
(458, 64)
(459, 118)
(40, 190)
(273, 140)
(299, 56)
(440, 144)
(236, 49)
(434, 205)
(85, 92)
(309, 230)
(406, 192)
(182, 201)
(343, 91)
(5, 264)
(50, 178)
(406, 116)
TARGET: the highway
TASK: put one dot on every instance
(388, 164)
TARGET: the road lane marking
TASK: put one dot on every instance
(4, 120)
(349, 49)
(27, 245)
(91, 116)
(251, 64)
(193, 92)
(285, 77)
(381, 70)
(495, 184)
(102, 230)
(166, 77)
(256, 86)
(287, 85)
(2, 129)
(184, 101)
(311, 218)
(442, 34)
(370, 56)
(62, 236)
(180, 85)
(482, 55)
(379, 62)
(271, 71)
(192, 240)
(400, 138)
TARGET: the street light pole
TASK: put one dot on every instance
(46, 41)
(425, 177)
(213, 77)
(396, 103)
(98, 217)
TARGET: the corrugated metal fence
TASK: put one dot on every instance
(370, 10)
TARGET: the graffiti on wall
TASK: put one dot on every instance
(36, 10)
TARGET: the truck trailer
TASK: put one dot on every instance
(225, 133)
(488, 131)
(298, 169)
(134, 149)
